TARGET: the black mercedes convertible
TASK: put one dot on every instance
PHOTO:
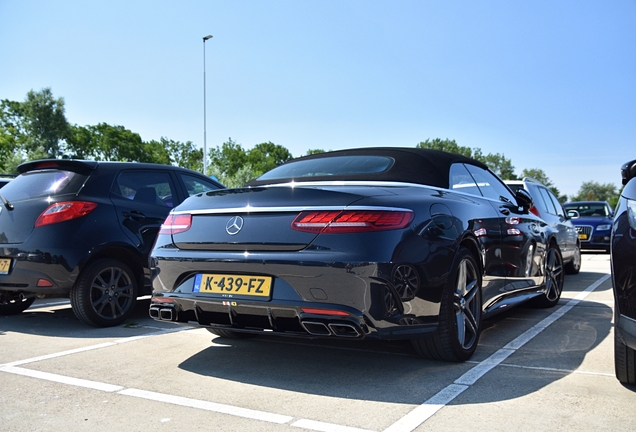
(388, 243)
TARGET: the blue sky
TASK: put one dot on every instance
(550, 85)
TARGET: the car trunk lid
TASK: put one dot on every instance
(260, 218)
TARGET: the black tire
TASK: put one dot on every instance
(459, 327)
(228, 333)
(14, 306)
(624, 360)
(105, 293)
(574, 266)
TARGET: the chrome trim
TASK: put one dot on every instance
(249, 209)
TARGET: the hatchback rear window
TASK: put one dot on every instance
(44, 183)
(330, 166)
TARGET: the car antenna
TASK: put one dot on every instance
(6, 202)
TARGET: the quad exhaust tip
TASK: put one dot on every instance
(340, 329)
(162, 314)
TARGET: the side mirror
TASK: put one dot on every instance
(628, 171)
(524, 200)
(573, 214)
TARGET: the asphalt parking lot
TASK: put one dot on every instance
(535, 369)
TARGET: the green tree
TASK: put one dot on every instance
(104, 142)
(266, 156)
(185, 155)
(498, 163)
(446, 145)
(228, 158)
(38, 122)
(313, 152)
(540, 175)
(595, 191)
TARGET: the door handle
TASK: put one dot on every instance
(134, 214)
(504, 211)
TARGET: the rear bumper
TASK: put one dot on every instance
(324, 321)
(42, 272)
(309, 298)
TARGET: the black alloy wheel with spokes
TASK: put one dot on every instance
(459, 327)
(105, 293)
(406, 281)
(554, 278)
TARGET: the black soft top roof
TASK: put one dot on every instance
(411, 165)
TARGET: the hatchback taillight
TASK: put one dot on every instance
(534, 211)
(175, 224)
(351, 221)
(64, 211)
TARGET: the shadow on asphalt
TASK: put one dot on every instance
(385, 371)
(60, 321)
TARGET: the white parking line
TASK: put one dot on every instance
(406, 424)
(325, 427)
(425, 411)
(78, 382)
(208, 406)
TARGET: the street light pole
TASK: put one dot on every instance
(205, 144)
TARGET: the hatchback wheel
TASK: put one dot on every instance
(105, 293)
(460, 314)
(12, 306)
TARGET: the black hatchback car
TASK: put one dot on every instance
(84, 229)
(623, 250)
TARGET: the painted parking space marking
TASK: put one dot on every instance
(425, 411)
(92, 347)
(407, 423)
(77, 382)
(208, 406)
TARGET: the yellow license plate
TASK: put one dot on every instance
(583, 236)
(230, 285)
(5, 265)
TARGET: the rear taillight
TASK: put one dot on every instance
(351, 221)
(175, 224)
(64, 211)
(535, 211)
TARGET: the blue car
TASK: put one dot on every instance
(593, 222)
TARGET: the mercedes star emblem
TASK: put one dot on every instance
(234, 225)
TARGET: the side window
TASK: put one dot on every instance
(489, 185)
(548, 201)
(557, 204)
(145, 186)
(460, 180)
(538, 199)
(195, 185)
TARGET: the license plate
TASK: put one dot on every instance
(230, 285)
(583, 236)
(5, 265)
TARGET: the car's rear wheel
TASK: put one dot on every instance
(10, 305)
(105, 293)
(228, 333)
(554, 278)
(624, 361)
(460, 314)
(574, 266)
